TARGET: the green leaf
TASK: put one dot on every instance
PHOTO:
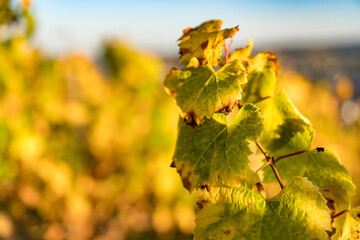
(199, 92)
(297, 212)
(337, 200)
(204, 42)
(264, 60)
(260, 85)
(242, 53)
(216, 152)
(351, 227)
(287, 131)
(262, 71)
(321, 166)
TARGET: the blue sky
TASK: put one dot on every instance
(65, 25)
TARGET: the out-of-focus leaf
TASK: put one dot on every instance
(242, 53)
(351, 228)
(262, 70)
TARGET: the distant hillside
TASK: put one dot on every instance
(325, 64)
(317, 64)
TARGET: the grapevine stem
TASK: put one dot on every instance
(226, 47)
(261, 99)
(289, 155)
(263, 151)
(271, 161)
(262, 167)
(340, 213)
(272, 165)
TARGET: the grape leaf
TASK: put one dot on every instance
(216, 152)
(247, 186)
(287, 131)
(297, 212)
(264, 60)
(242, 53)
(204, 42)
(321, 166)
(6, 13)
(337, 200)
(351, 227)
(199, 92)
(262, 71)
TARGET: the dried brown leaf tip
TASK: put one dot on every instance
(264, 60)
(259, 187)
(204, 42)
(185, 179)
(274, 61)
(205, 186)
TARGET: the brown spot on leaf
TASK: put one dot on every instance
(320, 149)
(172, 94)
(332, 232)
(260, 187)
(204, 44)
(180, 169)
(201, 60)
(227, 232)
(203, 187)
(225, 110)
(183, 51)
(358, 215)
(173, 165)
(275, 60)
(200, 204)
(239, 181)
(186, 182)
(190, 119)
(331, 205)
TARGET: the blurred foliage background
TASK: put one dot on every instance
(85, 145)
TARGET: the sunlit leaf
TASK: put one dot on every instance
(216, 152)
(351, 227)
(297, 212)
(204, 42)
(199, 92)
(287, 131)
(262, 70)
(242, 53)
(320, 166)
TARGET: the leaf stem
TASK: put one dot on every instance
(272, 165)
(263, 151)
(262, 167)
(271, 161)
(226, 47)
(340, 213)
(261, 99)
(289, 155)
